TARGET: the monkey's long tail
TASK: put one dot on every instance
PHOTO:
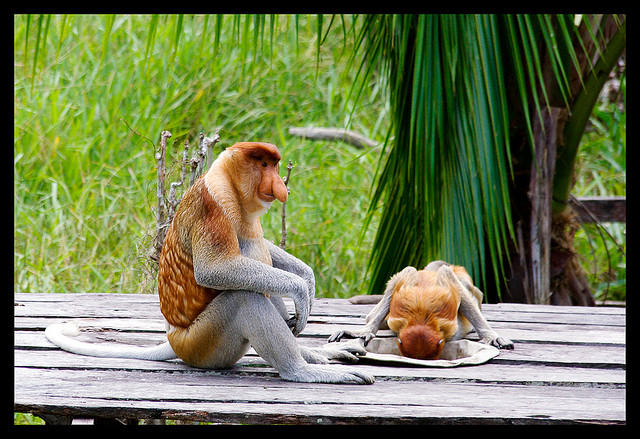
(59, 333)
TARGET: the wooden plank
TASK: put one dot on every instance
(105, 302)
(319, 313)
(493, 372)
(601, 209)
(610, 356)
(522, 332)
(518, 332)
(569, 366)
(339, 307)
(548, 410)
(111, 329)
(334, 311)
(94, 323)
(387, 401)
(101, 303)
(314, 326)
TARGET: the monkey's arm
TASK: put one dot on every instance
(239, 273)
(379, 313)
(471, 310)
(287, 262)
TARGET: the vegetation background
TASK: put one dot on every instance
(84, 182)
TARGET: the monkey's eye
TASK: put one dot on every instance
(265, 164)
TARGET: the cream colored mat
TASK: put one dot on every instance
(384, 350)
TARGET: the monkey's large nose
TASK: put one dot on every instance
(280, 190)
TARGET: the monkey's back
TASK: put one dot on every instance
(426, 303)
(181, 298)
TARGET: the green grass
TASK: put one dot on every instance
(84, 184)
(602, 171)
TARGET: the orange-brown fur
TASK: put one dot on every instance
(428, 308)
(181, 298)
(425, 315)
(214, 213)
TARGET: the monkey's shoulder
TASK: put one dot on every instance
(255, 248)
(201, 217)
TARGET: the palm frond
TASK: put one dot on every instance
(444, 183)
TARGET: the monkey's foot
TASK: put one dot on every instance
(345, 352)
(328, 374)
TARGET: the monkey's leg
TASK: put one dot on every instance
(282, 309)
(211, 341)
(317, 355)
(471, 310)
(245, 274)
(257, 320)
(435, 265)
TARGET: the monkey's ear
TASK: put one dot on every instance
(396, 324)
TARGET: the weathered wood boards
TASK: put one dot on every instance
(602, 209)
(568, 366)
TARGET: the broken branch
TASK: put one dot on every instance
(333, 134)
(283, 238)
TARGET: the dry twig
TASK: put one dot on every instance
(164, 214)
(283, 238)
(161, 214)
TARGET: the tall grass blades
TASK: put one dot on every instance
(85, 183)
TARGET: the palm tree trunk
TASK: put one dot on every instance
(544, 267)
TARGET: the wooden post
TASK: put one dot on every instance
(537, 286)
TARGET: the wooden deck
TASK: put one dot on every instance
(568, 366)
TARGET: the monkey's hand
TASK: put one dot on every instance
(499, 342)
(302, 309)
(299, 321)
(365, 335)
(287, 262)
(291, 322)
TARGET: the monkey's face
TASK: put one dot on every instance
(256, 175)
(421, 342)
(271, 186)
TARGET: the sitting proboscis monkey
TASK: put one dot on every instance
(221, 282)
(426, 308)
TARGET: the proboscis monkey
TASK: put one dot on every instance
(427, 308)
(221, 282)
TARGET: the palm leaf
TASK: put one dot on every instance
(583, 103)
(444, 183)
(444, 187)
